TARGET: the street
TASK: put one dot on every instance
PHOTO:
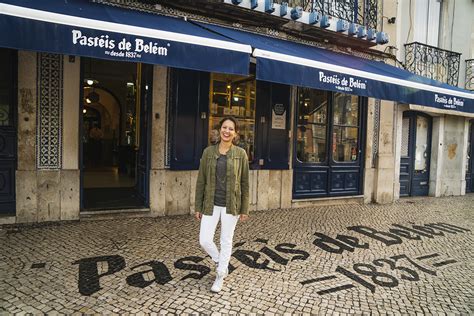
(413, 256)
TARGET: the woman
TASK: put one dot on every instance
(222, 192)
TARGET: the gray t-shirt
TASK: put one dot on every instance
(220, 193)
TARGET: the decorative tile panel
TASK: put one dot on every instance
(375, 137)
(49, 111)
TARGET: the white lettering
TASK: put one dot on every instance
(102, 41)
(75, 36)
(356, 84)
(329, 79)
(441, 99)
(458, 102)
(150, 48)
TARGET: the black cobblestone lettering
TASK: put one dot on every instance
(352, 241)
(274, 256)
(384, 237)
(89, 275)
(404, 234)
(329, 244)
(288, 248)
(159, 269)
(181, 264)
(250, 259)
(419, 232)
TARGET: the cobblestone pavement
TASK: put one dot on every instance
(414, 256)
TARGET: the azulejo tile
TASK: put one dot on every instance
(49, 111)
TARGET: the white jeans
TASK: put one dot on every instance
(206, 236)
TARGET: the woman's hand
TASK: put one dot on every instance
(243, 217)
(198, 216)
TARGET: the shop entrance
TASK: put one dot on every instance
(115, 134)
(470, 159)
(328, 157)
(415, 154)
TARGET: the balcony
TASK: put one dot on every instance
(470, 74)
(433, 62)
(362, 12)
(366, 13)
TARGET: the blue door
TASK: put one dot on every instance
(328, 157)
(415, 154)
(143, 159)
(8, 130)
(470, 160)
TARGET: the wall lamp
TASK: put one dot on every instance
(391, 20)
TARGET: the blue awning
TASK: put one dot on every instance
(82, 28)
(303, 65)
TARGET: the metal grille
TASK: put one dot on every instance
(433, 62)
(470, 74)
(375, 137)
(363, 12)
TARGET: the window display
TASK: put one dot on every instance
(232, 95)
(345, 127)
(324, 131)
(312, 126)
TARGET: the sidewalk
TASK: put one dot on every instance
(414, 256)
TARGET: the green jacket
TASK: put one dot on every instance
(237, 185)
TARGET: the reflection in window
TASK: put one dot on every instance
(312, 126)
(345, 138)
(405, 136)
(232, 95)
(421, 150)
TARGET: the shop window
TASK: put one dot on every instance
(421, 148)
(311, 140)
(405, 136)
(345, 127)
(6, 87)
(327, 130)
(232, 95)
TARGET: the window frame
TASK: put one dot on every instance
(330, 161)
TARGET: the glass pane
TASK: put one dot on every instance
(346, 109)
(469, 144)
(312, 106)
(345, 148)
(233, 95)
(405, 136)
(6, 87)
(421, 150)
(311, 143)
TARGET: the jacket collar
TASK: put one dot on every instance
(230, 153)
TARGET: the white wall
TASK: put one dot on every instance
(456, 31)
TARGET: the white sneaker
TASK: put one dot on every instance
(217, 286)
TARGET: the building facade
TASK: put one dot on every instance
(105, 115)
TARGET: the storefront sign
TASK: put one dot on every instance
(123, 42)
(119, 47)
(448, 102)
(278, 116)
(397, 88)
(342, 83)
